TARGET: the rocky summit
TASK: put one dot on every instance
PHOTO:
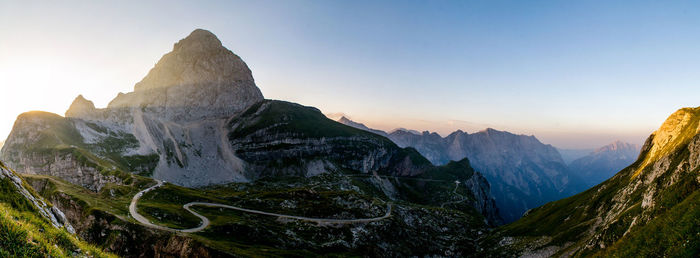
(199, 79)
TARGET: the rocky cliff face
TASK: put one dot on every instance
(15, 190)
(638, 212)
(604, 162)
(483, 200)
(523, 172)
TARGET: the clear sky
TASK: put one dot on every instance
(577, 74)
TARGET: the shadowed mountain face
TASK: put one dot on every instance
(604, 162)
(648, 209)
(523, 172)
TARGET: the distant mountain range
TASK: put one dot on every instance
(524, 173)
(604, 162)
(569, 155)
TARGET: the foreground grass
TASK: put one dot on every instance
(23, 234)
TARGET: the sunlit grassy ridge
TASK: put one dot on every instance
(649, 209)
(677, 130)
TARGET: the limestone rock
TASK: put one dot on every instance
(80, 107)
(52, 214)
(197, 59)
(199, 79)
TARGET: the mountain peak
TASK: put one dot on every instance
(198, 40)
(678, 129)
(198, 79)
(80, 107)
(198, 59)
(618, 146)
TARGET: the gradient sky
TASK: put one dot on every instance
(577, 74)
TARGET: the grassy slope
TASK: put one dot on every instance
(24, 233)
(307, 122)
(675, 233)
(294, 120)
(567, 221)
(112, 198)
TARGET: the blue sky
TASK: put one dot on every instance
(575, 74)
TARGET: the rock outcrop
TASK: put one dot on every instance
(54, 215)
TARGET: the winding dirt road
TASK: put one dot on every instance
(205, 221)
(455, 192)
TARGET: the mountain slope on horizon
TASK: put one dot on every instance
(569, 155)
(648, 209)
(524, 173)
(604, 162)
